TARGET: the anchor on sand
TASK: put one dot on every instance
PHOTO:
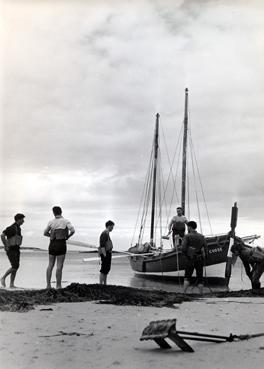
(160, 329)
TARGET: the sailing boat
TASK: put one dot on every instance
(151, 258)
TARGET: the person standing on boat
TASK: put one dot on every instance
(58, 230)
(194, 247)
(177, 226)
(105, 251)
(12, 240)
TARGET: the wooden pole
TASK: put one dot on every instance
(228, 268)
(156, 147)
(184, 152)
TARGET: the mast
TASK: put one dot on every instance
(184, 151)
(156, 147)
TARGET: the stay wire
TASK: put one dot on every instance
(145, 204)
(195, 190)
(201, 185)
(163, 202)
(171, 167)
(141, 199)
(177, 150)
(146, 208)
(146, 197)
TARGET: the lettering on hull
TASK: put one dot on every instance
(214, 251)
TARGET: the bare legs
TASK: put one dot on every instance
(60, 262)
(105, 267)
(11, 271)
(186, 284)
(52, 259)
(103, 278)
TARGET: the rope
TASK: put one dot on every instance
(142, 197)
(174, 184)
(177, 261)
(160, 207)
(171, 168)
(205, 277)
(164, 202)
(147, 198)
(196, 194)
(201, 185)
(159, 203)
(165, 187)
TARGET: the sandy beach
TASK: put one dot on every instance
(94, 335)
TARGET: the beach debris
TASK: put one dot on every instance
(21, 307)
(160, 329)
(47, 309)
(62, 333)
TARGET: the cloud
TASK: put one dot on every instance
(82, 82)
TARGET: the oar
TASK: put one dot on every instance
(251, 238)
(98, 258)
(87, 245)
(82, 244)
(228, 268)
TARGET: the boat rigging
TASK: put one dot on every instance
(160, 260)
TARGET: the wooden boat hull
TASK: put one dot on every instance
(171, 262)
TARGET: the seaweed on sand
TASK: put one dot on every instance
(24, 300)
(76, 292)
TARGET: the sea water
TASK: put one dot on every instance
(33, 264)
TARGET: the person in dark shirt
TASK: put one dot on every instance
(12, 239)
(252, 259)
(105, 251)
(194, 247)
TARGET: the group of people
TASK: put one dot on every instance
(193, 246)
(59, 230)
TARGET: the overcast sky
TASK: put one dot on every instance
(81, 82)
